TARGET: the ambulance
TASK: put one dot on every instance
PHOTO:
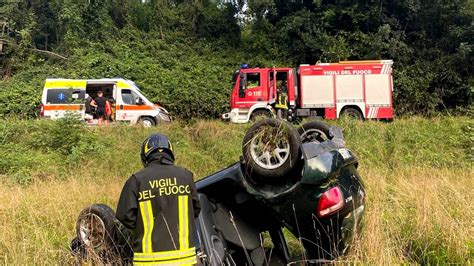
(68, 96)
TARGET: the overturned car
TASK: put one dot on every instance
(302, 179)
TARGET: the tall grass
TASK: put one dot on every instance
(418, 175)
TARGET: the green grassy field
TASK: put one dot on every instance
(418, 175)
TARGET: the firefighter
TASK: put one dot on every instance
(159, 204)
(282, 101)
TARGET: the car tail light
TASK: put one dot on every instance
(330, 202)
(42, 110)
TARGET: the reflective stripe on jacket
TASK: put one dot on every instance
(282, 101)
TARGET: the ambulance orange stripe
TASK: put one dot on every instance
(75, 107)
(62, 107)
(136, 107)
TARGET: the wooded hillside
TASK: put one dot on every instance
(183, 53)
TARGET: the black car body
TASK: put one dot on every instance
(236, 211)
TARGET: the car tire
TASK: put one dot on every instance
(95, 226)
(260, 115)
(316, 131)
(102, 235)
(147, 121)
(271, 149)
(352, 113)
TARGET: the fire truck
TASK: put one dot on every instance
(360, 89)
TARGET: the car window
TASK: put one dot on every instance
(129, 97)
(65, 96)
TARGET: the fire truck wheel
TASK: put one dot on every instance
(260, 114)
(314, 131)
(147, 121)
(352, 113)
(95, 227)
(271, 149)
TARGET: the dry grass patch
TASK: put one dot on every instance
(421, 215)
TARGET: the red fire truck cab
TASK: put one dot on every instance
(362, 89)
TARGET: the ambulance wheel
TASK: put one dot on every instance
(271, 149)
(352, 113)
(316, 131)
(147, 121)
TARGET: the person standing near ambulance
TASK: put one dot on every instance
(159, 204)
(102, 104)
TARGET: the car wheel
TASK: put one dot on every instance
(316, 131)
(352, 113)
(102, 236)
(260, 114)
(95, 226)
(271, 148)
(147, 122)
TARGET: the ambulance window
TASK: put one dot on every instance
(253, 80)
(77, 96)
(65, 96)
(130, 97)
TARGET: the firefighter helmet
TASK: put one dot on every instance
(154, 143)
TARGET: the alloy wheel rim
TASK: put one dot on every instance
(269, 154)
(92, 230)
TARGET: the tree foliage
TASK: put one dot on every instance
(183, 52)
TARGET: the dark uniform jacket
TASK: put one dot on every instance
(159, 203)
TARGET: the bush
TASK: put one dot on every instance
(45, 149)
(20, 99)
(61, 136)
